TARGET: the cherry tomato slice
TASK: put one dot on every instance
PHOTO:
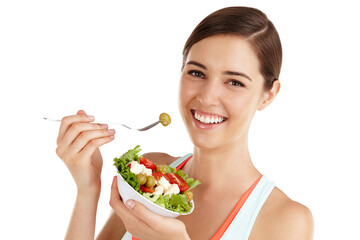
(148, 163)
(158, 175)
(145, 189)
(175, 178)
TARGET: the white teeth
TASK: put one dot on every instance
(208, 119)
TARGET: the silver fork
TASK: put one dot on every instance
(115, 123)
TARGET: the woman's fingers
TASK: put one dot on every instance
(86, 137)
(67, 121)
(81, 112)
(77, 128)
(93, 144)
(84, 131)
(140, 211)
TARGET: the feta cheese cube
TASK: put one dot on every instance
(146, 171)
(159, 190)
(135, 167)
(173, 189)
(164, 183)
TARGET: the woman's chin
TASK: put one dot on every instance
(206, 143)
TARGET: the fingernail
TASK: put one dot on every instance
(103, 125)
(111, 136)
(111, 131)
(130, 204)
(91, 118)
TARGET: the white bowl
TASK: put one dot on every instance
(127, 192)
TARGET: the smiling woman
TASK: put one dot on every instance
(212, 92)
(231, 67)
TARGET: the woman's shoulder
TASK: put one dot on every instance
(160, 158)
(283, 218)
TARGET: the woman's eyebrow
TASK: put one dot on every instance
(237, 74)
(196, 64)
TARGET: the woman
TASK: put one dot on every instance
(230, 70)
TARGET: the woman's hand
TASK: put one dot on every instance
(144, 224)
(78, 146)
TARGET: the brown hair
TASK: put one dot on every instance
(254, 26)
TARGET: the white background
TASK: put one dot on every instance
(121, 61)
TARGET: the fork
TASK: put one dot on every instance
(115, 123)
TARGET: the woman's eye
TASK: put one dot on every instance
(196, 74)
(236, 83)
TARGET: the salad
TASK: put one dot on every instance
(161, 184)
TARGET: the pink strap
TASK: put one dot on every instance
(235, 211)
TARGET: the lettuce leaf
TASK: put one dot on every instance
(131, 179)
(170, 169)
(175, 202)
(128, 157)
(122, 163)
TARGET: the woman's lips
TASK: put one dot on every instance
(207, 121)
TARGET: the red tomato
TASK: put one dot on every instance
(145, 189)
(175, 178)
(158, 175)
(148, 163)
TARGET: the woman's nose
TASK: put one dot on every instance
(209, 94)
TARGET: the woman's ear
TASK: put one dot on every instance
(270, 95)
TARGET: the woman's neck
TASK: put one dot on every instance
(222, 168)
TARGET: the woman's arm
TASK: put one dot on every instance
(294, 221)
(282, 218)
(113, 228)
(82, 223)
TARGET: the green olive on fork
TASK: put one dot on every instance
(165, 119)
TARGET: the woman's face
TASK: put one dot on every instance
(220, 90)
